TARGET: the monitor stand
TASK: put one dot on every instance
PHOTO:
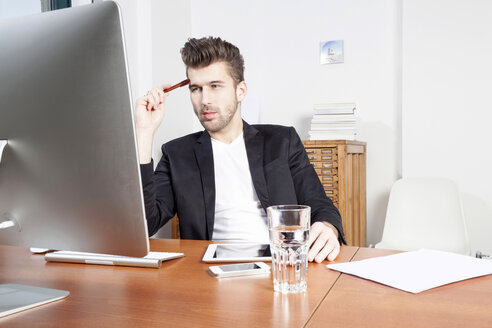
(14, 297)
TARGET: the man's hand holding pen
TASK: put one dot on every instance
(149, 112)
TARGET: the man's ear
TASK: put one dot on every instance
(241, 91)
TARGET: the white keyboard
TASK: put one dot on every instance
(151, 260)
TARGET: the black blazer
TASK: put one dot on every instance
(183, 181)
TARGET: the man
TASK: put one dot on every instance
(220, 181)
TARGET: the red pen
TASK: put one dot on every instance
(180, 84)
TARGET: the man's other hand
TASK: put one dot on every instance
(323, 242)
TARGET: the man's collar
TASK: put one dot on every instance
(204, 137)
(249, 131)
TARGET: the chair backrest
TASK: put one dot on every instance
(425, 213)
(175, 228)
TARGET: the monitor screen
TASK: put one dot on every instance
(69, 174)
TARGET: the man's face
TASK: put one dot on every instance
(214, 96)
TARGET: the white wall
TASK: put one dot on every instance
(171, 26)
(280, 43)
(447, 77)
(137, 30)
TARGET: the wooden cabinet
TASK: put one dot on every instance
(341, 167)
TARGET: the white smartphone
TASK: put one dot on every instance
(241, 269)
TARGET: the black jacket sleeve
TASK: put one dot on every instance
(308, 187)
(158, 193)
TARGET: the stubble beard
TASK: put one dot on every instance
(221, 120)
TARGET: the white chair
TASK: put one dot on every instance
(425, 213)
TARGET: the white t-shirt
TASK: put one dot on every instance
(238, 212)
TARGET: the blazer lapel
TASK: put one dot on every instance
(205, 159)
(254, 142)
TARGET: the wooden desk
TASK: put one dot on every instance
(356, 302)
(180, 294)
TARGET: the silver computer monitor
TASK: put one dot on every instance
(69, 175)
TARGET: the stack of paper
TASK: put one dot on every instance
(333, 121)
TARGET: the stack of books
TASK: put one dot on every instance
(333, 121)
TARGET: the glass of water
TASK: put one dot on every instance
(289, 235)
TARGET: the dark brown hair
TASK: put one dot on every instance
(197, 53)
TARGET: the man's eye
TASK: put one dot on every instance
(194, 89)
(215, 86)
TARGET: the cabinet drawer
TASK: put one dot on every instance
(324, 165)
(328, 178)
(321, 151)
(330, 191)
(323, 157)
(329, 184)
(327, 172)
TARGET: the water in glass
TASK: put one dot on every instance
(289, 246)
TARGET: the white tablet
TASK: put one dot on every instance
(237, 253)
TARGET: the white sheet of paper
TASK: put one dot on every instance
(417, 271)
